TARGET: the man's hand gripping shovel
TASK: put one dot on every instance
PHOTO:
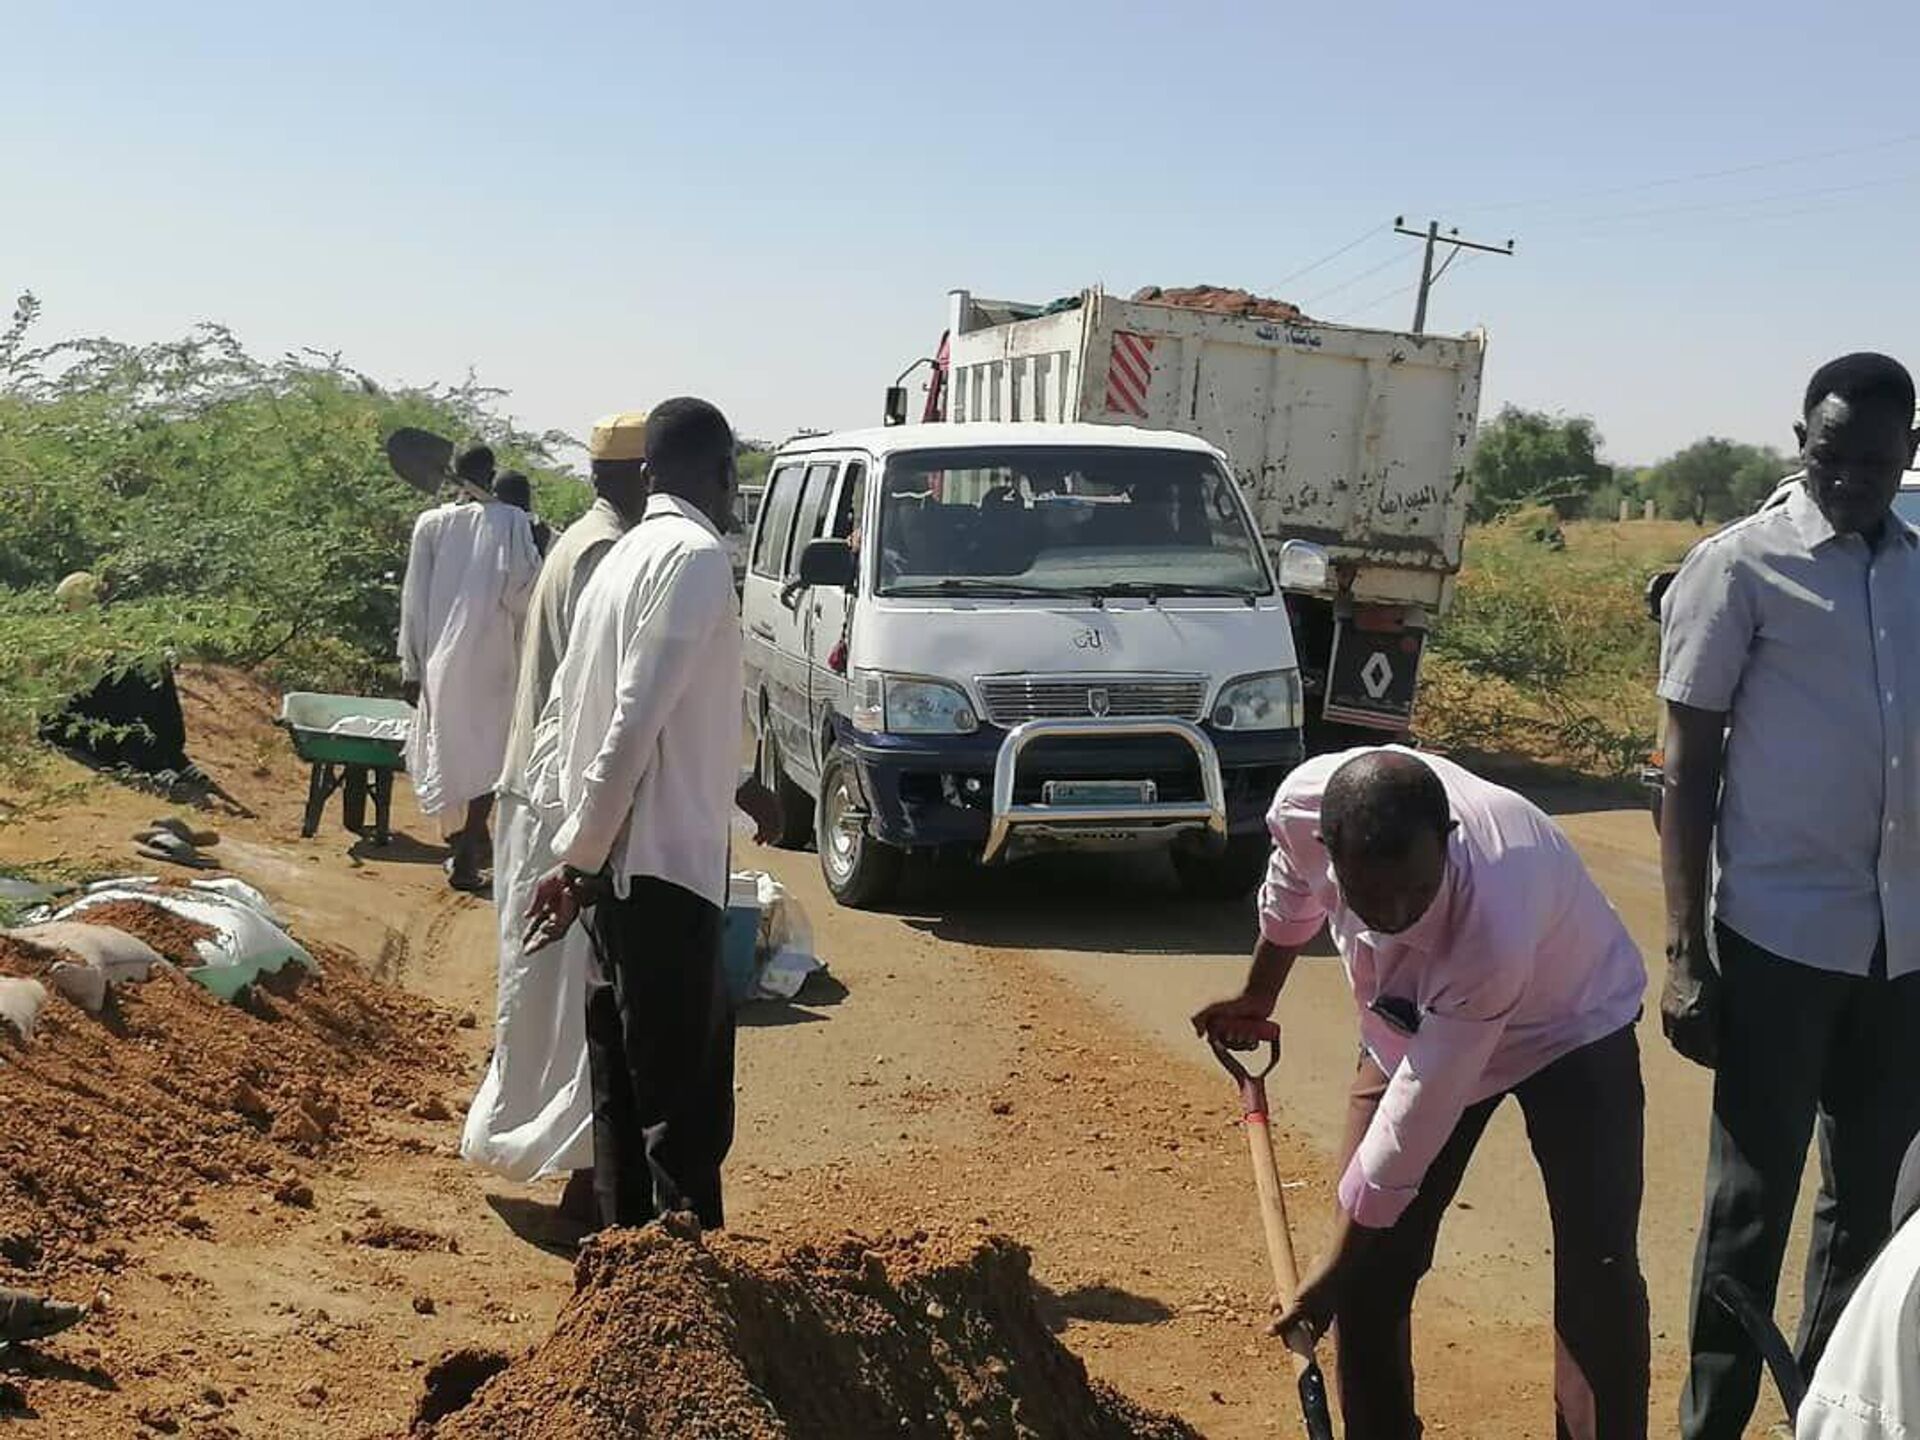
(1273, 1219)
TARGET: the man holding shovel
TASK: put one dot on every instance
(1485, 963)
(471, 569)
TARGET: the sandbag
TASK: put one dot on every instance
(238, 890)
(15, 891)
(247, 941)
(20, 1003)
(98, 957)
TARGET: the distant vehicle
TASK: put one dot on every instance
(1906, 505)
(746, 510)
(992, 639)
(1357, 441)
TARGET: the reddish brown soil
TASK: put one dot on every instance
(452, 1381)
(928, 1335)
(174, 936)
(390, 1235)
(113, 1123)
(1222, 301)
(19, 957)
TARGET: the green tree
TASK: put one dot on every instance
(1715, 479)
(754, 460)
(236, 508)
(1528, 457)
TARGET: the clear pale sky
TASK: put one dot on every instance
(596, 205)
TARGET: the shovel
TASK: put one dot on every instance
(425, 461)
(1273, 1219)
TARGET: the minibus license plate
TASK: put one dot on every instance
(1098, 792)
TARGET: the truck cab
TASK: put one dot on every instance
(997, 639)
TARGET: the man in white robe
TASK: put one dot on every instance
(470, 570)
(1867, 1385)
(533, 1115)
(645, 719)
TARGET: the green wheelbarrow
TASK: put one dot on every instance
(352, 744)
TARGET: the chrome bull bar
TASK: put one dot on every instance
(1210, 811)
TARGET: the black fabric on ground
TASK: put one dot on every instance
(146, 729)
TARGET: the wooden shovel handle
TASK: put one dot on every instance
(1286, 1276)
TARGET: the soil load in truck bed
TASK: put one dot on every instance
(1222, 301)
(924, 1336)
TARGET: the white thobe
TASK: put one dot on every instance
(1867, 1385)
(648, 709)
(533, 1113)
(470, 570)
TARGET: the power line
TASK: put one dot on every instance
(1380, 299)
(1355, 280)
(1744, 203)
(1765, 215)
(1459, 255)
(1327, 259)
(1727, 172)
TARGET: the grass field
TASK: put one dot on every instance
(1548, 652)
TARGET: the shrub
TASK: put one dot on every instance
(237, 509)
(1549, 652)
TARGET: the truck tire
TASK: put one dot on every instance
(795, 825)
(1225, 874)
(862, 872)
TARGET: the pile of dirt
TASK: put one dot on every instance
(671, 1334)
(112, 1123)
(1222, 301)
(175, 936)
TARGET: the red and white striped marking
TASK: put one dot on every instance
(1129, 374)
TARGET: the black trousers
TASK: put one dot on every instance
(660, 1049)
(1585, 1117)
(1799, 1047)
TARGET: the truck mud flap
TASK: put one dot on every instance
(1373, 676)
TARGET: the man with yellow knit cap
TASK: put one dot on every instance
(533, 1115)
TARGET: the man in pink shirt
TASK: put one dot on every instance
(1485, 963)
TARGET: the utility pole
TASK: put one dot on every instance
(1428, 275)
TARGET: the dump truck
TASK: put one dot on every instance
(1355, 442)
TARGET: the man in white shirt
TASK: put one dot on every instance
(648, 706)
(533, 1114)
(1867, 1386)
(470, 570)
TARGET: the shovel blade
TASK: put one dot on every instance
(1313, 1404)
(421, 458)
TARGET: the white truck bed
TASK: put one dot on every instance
(1356, 440)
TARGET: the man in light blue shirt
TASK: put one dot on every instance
(1790, 666)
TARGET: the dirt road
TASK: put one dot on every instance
(1007, 1051)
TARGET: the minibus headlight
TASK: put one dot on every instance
(1270, 701)
(910, 705)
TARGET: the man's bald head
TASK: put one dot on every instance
(1384, 819)
(1380, 802)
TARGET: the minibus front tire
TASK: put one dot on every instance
(862, 872)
